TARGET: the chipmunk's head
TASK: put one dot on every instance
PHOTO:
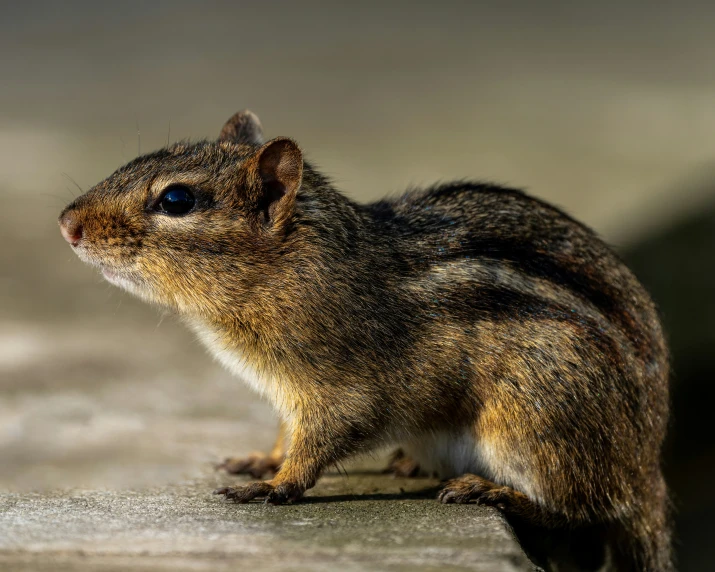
(185, 224)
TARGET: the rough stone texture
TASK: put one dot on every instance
(363, 522)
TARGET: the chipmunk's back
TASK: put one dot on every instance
(494, 235)
(566, 352)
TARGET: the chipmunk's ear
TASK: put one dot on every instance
(277, 167)
(243, 127)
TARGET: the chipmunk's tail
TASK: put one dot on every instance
(643, 542)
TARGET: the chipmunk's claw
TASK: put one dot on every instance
(472, 488)
(272, 494)
(256, 465)
(285, 493)
(245, 493)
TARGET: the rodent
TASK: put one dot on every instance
(497, 340)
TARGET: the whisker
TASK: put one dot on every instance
(75, 183)
(124, 148)
(340, 468)
(161, 320)
(50, 195)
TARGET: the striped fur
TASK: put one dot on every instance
(483, 329)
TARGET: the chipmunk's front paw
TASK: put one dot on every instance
(282, 493)
(400, 465)
(257, 465)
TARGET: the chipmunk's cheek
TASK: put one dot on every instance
(153, 282)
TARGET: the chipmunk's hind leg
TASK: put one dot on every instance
(473, 488)
(532, 525)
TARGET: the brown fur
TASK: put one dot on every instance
(464, 309)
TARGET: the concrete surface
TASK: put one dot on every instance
(364, 522)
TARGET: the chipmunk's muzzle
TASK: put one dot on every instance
(71, 228)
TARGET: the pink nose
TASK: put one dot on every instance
(71, 228)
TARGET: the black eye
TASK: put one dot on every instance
(176, 200)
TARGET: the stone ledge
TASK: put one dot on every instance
(364, 522)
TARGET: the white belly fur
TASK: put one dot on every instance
(450, 455)
(261, 382)
(447, 454)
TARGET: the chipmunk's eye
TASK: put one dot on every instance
(176, 200)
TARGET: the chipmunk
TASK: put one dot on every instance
(500, 342)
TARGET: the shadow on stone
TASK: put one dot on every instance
(579, 550)
(428, 493)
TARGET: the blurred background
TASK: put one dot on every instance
(603, 108)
